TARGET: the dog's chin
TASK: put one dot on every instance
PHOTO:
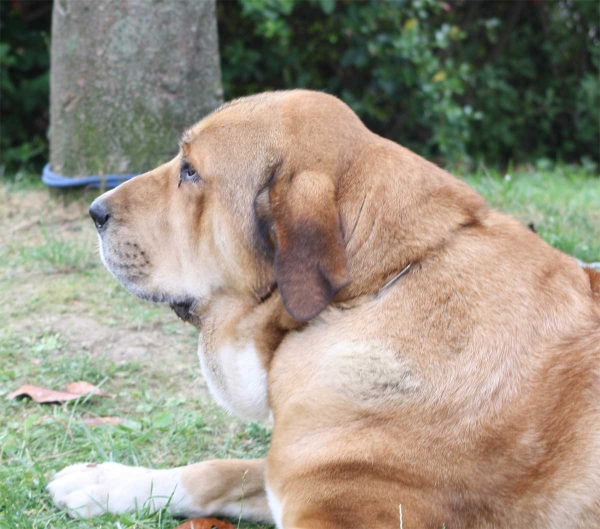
(135, 285)
(184, 307)
(132, 278)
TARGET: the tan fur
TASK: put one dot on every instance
(466, 391)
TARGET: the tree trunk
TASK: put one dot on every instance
(127, 78)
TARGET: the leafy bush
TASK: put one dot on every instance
(455, 80)
(24, 83)
(496, 80)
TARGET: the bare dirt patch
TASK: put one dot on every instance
(166, 357)
(119, 343)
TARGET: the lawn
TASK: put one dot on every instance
(63, 318)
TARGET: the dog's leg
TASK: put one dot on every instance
(227, 487)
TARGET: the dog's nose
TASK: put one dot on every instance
(99, 213)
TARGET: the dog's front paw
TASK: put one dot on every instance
(86, 489)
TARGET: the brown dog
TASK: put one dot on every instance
(426, 361)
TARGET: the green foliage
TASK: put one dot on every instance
(24, 83)
(455, 80)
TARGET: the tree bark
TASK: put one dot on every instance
(127, 77)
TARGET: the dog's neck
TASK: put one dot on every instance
(407, 210)
(230, 318)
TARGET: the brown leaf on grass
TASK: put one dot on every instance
(205, 523)
(103, 420)
(42, 395)
(45, 395)
(83, 388)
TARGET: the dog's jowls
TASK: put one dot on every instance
(465, 389)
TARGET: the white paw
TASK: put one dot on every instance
(87, 489)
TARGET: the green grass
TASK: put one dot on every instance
(58, 253)
(63, 318)
(563, 205)
(49, 274)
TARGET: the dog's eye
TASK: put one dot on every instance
(188, 173)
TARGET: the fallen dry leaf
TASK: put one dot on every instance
(103, 420)
(83, 388)
(42, 395)
(205, 523)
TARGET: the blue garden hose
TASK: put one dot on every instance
(106, 182)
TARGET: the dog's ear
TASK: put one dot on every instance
(310, 261)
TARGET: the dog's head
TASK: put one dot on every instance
(248, 205)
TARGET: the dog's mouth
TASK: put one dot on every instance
(182, 308)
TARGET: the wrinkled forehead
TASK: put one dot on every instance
(238, 141)
(239, 112)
